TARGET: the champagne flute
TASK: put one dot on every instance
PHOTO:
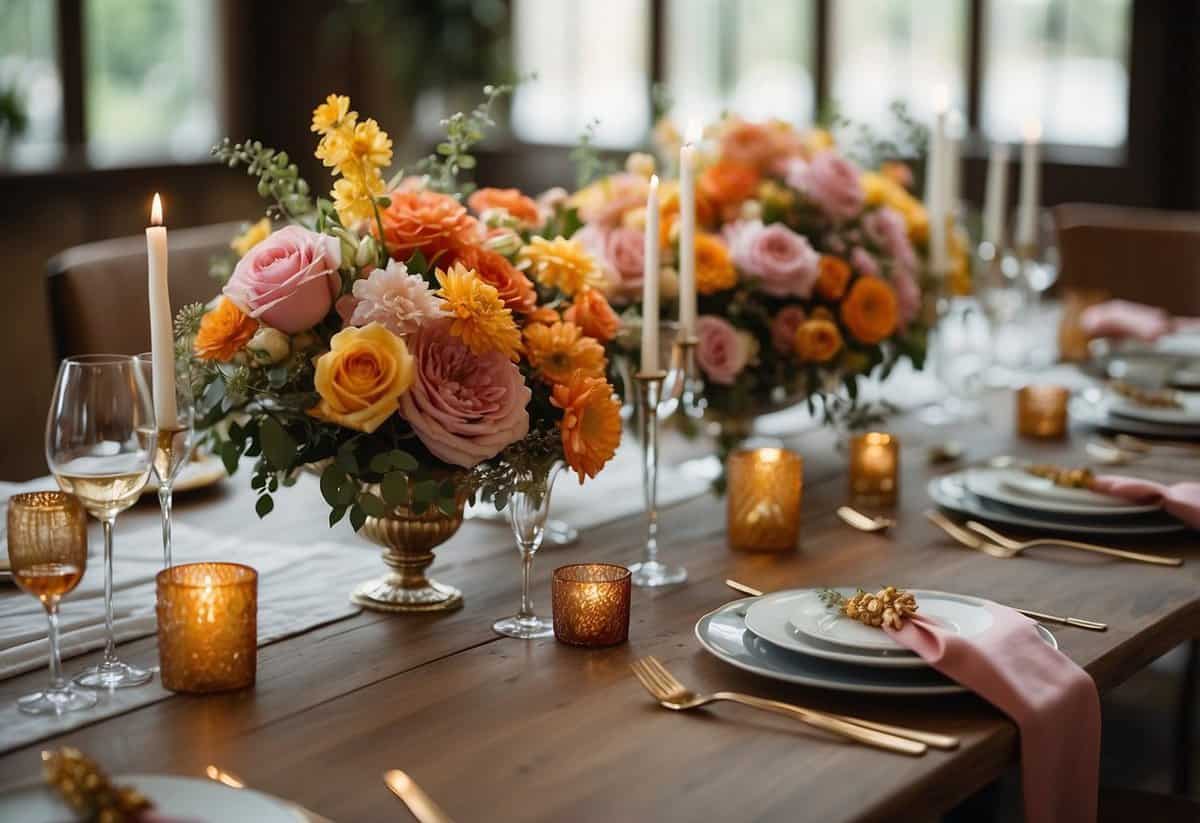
(98, 449)
(173, 441)
(47, 548)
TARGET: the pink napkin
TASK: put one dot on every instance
(1053, 702)
(1121, 318)
(1180, 499)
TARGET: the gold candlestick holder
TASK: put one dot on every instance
(651, 572)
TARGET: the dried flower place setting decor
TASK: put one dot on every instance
(887, 608)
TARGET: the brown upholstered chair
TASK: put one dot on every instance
(1144, 255)
(97, 292)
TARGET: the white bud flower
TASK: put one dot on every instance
(367, 252)
(269, 346)
(751, 210)
(498, 218)
(505, 241)
(640, 163)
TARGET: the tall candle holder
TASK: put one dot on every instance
(692, 396)
(651, 572)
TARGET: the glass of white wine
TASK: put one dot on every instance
(173, 439)
(98, 448)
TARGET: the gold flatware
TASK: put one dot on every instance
(743, 588)
(673, 695)
(1077, 622)
(1109, 454)
(863, 522)
(414, 797)
(1012, 548)
(228, 778)
(1138, 444)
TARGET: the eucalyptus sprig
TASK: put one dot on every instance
(278, 178)
(589, 165)
(453, 155)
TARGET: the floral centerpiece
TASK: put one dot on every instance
(390, 337)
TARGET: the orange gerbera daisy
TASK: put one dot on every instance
(493, 268)
(591, 312)
(519, 207)
(591, 423)
(728, 183)
(561, 350)
(817, 340)
(425, 221)
(481, 320)
(560, 263)
(833, 275)
(714, 266)
(224, 332)
(870, 310)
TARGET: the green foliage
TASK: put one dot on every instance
(453, 155)
(279, 179)
(589, 165)
(14, 117)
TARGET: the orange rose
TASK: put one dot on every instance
(224, 332)
(494, 269)
(728, 183)
(591, 423)
(544, 315)
(833, 274)
(591, 312)
(817, 340)
(870, 310)
(750, 144)
(520, 207)
(714, 266)
(427, 222)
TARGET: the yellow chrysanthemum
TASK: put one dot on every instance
(332, 113)
(560, 350)
(358, 151)
(481, 319)
(370, 144)
(353, 201)
(881, 190)
(561, 264)
(251, 237)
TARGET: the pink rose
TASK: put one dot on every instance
(783, 328)
(831, 182)
(908, 294)
(721, 352)
(862, 261)
(622, 253)
(887, 229)
(783, 261)
(288, 281)
(465, 408)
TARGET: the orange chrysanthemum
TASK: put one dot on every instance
(481, 320)
(561, 350)
(519, 207)
(224, 332)
(425, 221)
(544, 315)
(728, 183)
(514, 287)
(592, 313)
(817, 340)
(668, 210)
(714, 266)
(591, 423)
(833, 275)
(560, 263)
(870, 310)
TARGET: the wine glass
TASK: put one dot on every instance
(528, 505)
(100, 445)
(173, 439)
(47, 548)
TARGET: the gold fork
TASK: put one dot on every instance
(864, 523)
(672, 694)
(1012, 548)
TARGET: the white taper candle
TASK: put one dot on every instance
(995, 199)
(687, 234)
(1030, 187)
(650, 313)
(162, 336)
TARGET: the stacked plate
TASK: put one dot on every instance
(795, 637)
(1173, 360)
(1013, 497)
(1113, 412)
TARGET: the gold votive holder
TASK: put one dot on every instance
(591, 604)
(765, 487)
(207, 626)
(1042, 411)
(874, 469)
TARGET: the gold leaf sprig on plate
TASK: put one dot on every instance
(87, 789)
(887, 607)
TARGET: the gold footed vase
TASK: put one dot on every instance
(408, 541)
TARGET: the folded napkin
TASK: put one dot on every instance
(1122, 318)
(1053, 702)
(1180, 499)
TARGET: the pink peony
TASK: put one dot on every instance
(465, 408)
(400, 301)
(622, 253)
(721, 352)
(288, 281)
(783, 261)
(887, 229)
(862, 261)
(831, 182)
(783, 328)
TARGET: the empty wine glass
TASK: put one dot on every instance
(528, 505)
(99, 445)
(173, 439)
(47, 548)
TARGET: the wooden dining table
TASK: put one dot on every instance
(507, 730)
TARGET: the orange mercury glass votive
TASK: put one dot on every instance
(1042, 411)
(591, 604)
(874, 469)
(207, 626)
(765, 487)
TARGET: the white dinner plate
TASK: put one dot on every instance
(950, 493)
(1187, 414)
(724, 635)
(1097, 414)
(187, 798)
(1014, 487)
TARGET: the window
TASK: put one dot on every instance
(29, 75)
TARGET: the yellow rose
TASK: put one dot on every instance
(251, 237)
(360, 379)
(880, 190)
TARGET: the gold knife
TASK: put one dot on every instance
(418, 802)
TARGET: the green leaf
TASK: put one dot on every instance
(425, 491)
(346, 459)
(372, 504)
(264, 505)
(278, 446)
(336, 514)
(357, 518)
(448, 505)
(229, 456)
(395, 488)
(336, 487)
(417, 263)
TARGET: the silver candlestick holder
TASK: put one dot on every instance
(651, 572)
(692, 394)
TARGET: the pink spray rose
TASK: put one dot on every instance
(831, 182)
(465, 408)
(783, 328)
(622, 254)
(908, 295)
(862, 261)
(721, 351)
(888, 229)
(400, 301)
(782, 260)
(288, 281)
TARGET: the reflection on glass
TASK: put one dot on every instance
(750, 58)
(29, 72)
(1065, 62)
(592, 63)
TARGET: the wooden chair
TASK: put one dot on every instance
(1144, 255)
(97, 292)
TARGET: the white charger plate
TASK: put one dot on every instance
(188, 798)
(1014, 487)
(1188, 415)
(1097, 414)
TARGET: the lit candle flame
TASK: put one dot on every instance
(156, 217)
(654, 182)
(1032, 130)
